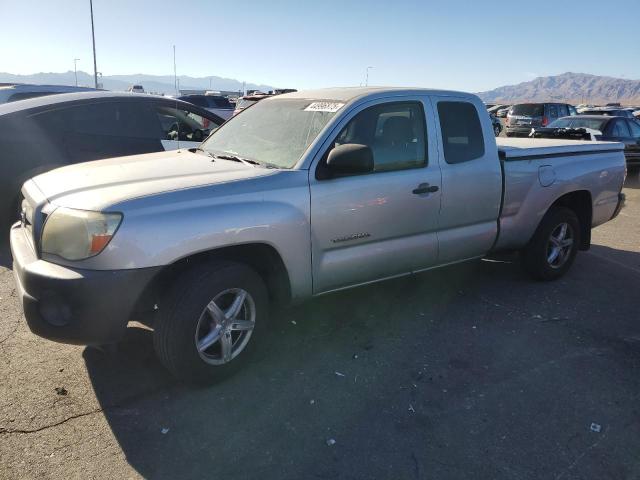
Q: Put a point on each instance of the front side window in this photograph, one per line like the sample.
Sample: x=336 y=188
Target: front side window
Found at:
x=461 y=130
x=620 y=129
x=634 y=125
x=395 y=132
x=183 y=125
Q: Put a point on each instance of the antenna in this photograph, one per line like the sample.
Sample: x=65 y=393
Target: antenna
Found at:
x=175 y=84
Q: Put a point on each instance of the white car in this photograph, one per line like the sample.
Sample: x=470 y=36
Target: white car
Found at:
x=136 y=89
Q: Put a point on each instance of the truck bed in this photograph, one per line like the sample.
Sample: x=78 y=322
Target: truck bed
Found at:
x=532 y=148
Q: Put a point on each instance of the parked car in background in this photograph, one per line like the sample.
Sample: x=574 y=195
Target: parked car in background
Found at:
x=610 y=112
x=495 y=108
x=597 y=127
x=301 y=195
x=12 y=93
x=44 y=133
x=248 y=100
x=502 y=112
x=217 y=104
x=496 y=123
x=136 y=89
x=523 y=116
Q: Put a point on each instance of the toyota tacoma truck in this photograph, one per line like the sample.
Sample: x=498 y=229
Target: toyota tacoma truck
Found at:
x=299 y=195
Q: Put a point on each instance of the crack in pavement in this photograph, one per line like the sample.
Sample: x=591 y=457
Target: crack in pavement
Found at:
x=125 y=402
x=6 y=431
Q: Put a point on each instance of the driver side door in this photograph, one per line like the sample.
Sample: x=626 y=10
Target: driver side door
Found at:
x=377 y=225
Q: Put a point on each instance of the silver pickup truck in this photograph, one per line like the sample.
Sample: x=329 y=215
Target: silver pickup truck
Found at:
x=300 y=195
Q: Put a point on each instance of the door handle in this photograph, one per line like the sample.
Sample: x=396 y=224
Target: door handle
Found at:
x=425 y=188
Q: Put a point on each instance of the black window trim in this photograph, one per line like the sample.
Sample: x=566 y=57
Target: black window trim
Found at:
x=321 y=172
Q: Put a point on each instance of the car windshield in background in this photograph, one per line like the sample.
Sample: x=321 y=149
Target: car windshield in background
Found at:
x=608 y=113
x=274 y=132
x=592 y=123
x=218 y=102
x=528 y=110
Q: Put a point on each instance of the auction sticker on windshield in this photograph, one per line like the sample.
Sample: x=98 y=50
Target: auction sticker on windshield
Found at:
x=331 y=107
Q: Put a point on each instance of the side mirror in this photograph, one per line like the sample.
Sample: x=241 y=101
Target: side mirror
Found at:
x=350 y=158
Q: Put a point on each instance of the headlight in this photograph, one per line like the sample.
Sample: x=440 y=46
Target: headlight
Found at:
x=78 y=234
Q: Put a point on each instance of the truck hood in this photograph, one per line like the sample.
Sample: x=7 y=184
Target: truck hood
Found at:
x=96 y=185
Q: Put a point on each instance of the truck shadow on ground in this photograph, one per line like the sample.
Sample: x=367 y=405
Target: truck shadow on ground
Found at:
x=349 y=366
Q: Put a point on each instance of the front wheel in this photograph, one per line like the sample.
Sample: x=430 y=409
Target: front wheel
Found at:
x=496 y=130
x=214 y=317
x=554 y=246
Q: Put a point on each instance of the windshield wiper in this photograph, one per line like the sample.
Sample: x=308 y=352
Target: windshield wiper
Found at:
x=236 y=158
x=206 y=152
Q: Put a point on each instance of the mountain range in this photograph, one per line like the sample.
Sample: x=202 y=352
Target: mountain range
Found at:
x=151 y=83
x=568 y=87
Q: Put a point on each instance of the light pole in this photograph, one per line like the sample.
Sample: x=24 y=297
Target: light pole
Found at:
x=366 y=80
x=75 y=69
x=93 y=38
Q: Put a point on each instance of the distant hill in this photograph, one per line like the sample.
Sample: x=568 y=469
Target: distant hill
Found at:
x=151 y=83
x=570 y=87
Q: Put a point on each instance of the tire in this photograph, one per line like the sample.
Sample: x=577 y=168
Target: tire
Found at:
x=509 y=134
x=496 y=130
x=199 y=309
x=545 y=258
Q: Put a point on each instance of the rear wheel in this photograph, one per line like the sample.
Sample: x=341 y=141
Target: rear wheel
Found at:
x=496 y=130
x=214 y=317
x=554 y=246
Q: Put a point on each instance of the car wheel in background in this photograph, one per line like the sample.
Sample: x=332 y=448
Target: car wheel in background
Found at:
x=553 y=248
x=496 y=130
x=214 y=316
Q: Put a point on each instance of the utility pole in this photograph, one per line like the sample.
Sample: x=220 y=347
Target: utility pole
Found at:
x=75 y=69
x=175 y=75
x=366 y=80
x=93 y=37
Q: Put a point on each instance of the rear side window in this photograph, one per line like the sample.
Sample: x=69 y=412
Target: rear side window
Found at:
x=462 y=137
x=118 y=119
x=528 y=109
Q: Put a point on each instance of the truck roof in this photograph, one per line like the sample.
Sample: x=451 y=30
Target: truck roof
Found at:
x=347 y=94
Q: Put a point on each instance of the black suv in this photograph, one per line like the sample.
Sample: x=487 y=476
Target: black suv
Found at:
x=522 y=117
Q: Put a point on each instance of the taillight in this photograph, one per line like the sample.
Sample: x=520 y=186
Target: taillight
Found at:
x=545 y=121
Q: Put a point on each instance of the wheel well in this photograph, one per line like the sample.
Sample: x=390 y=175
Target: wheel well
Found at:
x=263 y=258
x=580 y=202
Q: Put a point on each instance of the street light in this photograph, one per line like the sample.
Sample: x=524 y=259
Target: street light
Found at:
x=75 y=69
x=93 y=38
x=366 y=80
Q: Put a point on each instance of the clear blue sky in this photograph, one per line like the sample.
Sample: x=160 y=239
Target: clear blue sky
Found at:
x=467 y=44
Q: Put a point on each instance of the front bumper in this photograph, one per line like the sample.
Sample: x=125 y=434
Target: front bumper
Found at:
x=71 y=305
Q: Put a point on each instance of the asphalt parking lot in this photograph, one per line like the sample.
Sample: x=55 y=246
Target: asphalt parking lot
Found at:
x=467 y=372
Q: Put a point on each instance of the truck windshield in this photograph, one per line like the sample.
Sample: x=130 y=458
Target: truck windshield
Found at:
x=275 y=131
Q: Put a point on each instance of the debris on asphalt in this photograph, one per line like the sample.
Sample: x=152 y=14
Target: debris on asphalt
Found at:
x=61 y=391
x=312 y=402
x=155 y=306
x=331 y=442
x=596 y=427
x=355 y=356
x=164 y=431
x=340 y=374
x=293 y=322
x=411 y=409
